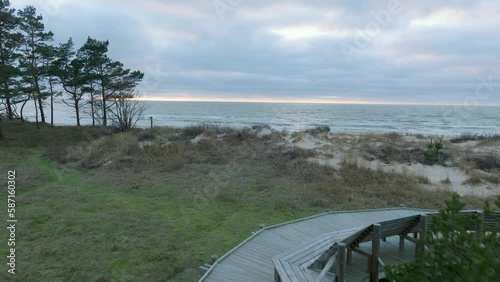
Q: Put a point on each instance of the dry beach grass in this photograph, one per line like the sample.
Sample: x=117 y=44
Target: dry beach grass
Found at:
x=155 y=204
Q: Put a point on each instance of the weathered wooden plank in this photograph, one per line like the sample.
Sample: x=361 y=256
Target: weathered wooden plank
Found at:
x=280 y=270
x=375 y=253
x=290 y=273
x=341 y=263
x=272 y=241
x=423 y=233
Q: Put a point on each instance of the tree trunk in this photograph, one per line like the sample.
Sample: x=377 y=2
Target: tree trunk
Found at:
x=77 y=112
x=40 y=101
x=36 y=113
x=40 y=106
x=92 y=103
x=104 y=110
x=22 y=107
x=76 y=102
x=10 y=114
x=51 y=102
x=103 y=96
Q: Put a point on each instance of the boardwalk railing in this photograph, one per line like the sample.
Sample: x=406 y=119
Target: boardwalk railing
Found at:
x=374 y=233
x=340 y=253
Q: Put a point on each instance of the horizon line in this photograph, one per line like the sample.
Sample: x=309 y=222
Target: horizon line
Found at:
x=302 y=101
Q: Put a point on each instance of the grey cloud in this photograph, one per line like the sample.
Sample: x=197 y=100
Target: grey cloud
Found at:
x=185 y=47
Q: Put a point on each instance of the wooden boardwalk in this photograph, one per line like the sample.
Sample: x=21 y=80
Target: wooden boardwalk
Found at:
x=252 y=260
x=335 y=246
x=389 y=253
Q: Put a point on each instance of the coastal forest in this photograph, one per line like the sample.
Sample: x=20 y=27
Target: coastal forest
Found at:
x=34 y=72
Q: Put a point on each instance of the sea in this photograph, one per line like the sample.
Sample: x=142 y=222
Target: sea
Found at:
x=342 y=118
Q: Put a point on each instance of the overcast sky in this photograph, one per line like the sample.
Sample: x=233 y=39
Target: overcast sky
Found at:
x=422 y=51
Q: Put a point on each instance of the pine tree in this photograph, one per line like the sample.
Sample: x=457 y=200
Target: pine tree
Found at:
x=10 y=40
x=71 y=71
x=35 y=40
x=94 y=53
x=110 y=76
x=50 y=71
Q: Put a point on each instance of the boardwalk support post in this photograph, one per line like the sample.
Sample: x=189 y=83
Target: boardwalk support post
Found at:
x=349 y=256
x=423 y=234
x=401 y=243
x=375 y=253
x=341 y=263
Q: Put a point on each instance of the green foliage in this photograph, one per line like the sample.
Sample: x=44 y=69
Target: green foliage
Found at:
x=469 y=136
x=35 y=40
x=434 y=152
x=319 y=129
x=10 y=41
x=110 y=77
x=32 y=69
x=72 y=74
x=453 y=253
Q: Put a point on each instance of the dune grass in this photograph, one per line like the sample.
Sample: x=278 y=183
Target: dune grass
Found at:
x=93 y=206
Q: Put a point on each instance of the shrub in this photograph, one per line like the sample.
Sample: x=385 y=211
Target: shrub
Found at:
x=490 y=140
x=452 y=252
x=434 y=152
x=464 y=137
x=485 y=162
x=284 y=132
x=261 y=126
x=475 y=137
x=393 y=152
x=125 y=111
x=319 y=129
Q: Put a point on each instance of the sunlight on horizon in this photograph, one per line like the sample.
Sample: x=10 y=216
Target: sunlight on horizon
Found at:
x=291 y=100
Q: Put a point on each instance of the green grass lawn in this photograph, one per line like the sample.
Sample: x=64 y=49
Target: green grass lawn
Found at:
x=113 y=225
x=156 y=217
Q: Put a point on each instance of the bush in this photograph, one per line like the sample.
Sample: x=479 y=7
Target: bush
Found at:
x=261 y=126
x=452 y=252
x=464 y=137
x=319 y=129
x=125 y=111
x=485 y=162
x=434 y=153
x=474 y=137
